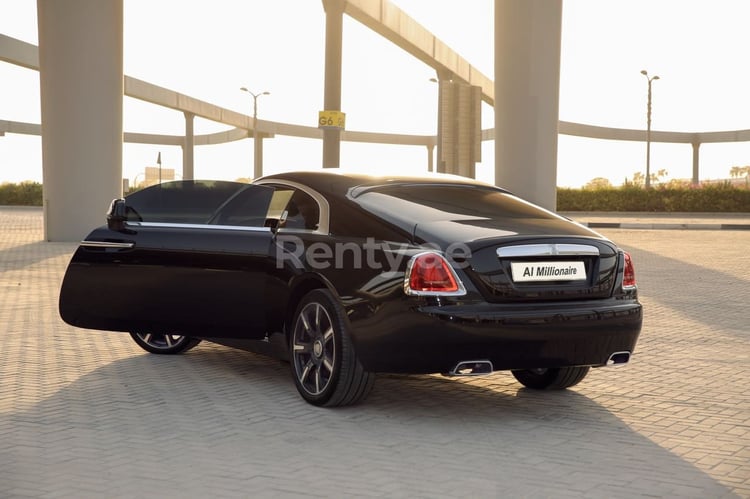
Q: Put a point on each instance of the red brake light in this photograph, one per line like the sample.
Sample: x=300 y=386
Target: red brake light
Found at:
x=628 y=277
x=430 y=274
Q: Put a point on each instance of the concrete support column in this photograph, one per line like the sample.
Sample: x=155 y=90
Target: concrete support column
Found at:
x=527 y=85
x=459 y=128
x=81 y=84
x=442 y=77
x=188 y=148
x=332 y=93
x=696 y=162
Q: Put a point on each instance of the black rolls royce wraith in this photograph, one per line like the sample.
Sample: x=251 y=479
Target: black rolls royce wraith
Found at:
x=355 y=275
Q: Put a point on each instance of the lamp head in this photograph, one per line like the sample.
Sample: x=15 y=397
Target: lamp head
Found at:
x=644 y=72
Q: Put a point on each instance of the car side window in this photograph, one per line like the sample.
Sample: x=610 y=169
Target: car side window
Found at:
x=302 y=212
x=294 y=209
x=248 y=208
x=183 y=201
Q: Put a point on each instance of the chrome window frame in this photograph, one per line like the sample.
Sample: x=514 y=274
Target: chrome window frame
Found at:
x=172 y=225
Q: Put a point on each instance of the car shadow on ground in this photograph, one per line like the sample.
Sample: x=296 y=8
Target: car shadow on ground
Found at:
x=688 y=287
x=218 y=418
x=31 y=254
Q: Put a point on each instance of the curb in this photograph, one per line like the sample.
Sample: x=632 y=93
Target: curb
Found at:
x=665 y=226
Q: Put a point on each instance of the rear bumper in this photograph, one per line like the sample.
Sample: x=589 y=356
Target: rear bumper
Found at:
x=433 y=339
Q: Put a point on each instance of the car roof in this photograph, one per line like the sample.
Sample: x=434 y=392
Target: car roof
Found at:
x=340 y=183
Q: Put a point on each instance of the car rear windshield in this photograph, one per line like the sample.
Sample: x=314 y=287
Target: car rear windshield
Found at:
x=418 y=203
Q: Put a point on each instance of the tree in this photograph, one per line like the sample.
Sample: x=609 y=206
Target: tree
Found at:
x=598 y=183
x=639 y=180
x=656 y=177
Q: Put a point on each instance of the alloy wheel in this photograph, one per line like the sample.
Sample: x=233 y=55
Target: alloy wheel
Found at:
x=314 y=348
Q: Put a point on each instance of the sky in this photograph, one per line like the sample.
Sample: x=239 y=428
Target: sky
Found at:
x=698 y=48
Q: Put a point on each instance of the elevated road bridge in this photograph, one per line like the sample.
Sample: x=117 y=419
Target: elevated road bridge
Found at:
x=526 y=120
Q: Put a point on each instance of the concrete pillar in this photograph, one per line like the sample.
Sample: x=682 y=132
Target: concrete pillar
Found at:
x=527 y=84
x=696 y=162
x=459 y=128
x=441 y=77
x=332 y=93
x=81 y=84
x=258 y=154
x=188 y=148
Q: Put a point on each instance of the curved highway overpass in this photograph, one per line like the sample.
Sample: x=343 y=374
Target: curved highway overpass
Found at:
x=26 y=55
x=523 y=134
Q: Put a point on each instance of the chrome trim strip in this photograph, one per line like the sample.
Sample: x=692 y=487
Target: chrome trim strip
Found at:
x=325 y=210
x=526 y=250
x=106 y=244
x=169 y=225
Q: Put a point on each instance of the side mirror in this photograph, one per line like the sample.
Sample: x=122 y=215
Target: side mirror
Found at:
x=117 y=215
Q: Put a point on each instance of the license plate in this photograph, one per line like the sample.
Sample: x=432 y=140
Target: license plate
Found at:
x=547 y=271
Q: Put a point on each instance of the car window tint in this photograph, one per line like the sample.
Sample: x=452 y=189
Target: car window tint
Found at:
x=295 y=208
x=185 y=201
x=302 y=212
x=248 y=208
x=428 y=203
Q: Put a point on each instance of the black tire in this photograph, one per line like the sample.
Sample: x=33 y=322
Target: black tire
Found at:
x=324 y=365
x=166 y=344
x=557 y=378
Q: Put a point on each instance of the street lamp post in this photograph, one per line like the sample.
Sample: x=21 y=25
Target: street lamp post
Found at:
x=257 y=151
x=648 y=128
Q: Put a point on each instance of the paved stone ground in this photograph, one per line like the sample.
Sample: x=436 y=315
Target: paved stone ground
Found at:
x=88 y=414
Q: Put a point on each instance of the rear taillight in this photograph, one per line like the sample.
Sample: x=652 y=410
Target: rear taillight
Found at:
x=429 y=274
x=628 y=276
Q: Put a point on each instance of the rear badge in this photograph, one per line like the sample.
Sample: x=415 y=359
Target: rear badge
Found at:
x=547 y=271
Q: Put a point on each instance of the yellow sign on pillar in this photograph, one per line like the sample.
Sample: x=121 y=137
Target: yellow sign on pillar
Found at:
x=331 y=119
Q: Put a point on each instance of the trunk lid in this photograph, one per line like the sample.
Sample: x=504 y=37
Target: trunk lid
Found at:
x=530 y=269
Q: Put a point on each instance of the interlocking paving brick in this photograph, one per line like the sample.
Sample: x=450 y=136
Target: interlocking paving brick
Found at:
x=89 y=414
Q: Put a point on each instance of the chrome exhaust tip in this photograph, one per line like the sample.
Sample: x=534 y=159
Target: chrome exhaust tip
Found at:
x=471 y=368
x=618 y=359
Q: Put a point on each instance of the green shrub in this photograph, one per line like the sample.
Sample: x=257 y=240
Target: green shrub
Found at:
x=706 y=198
x=23 y=194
